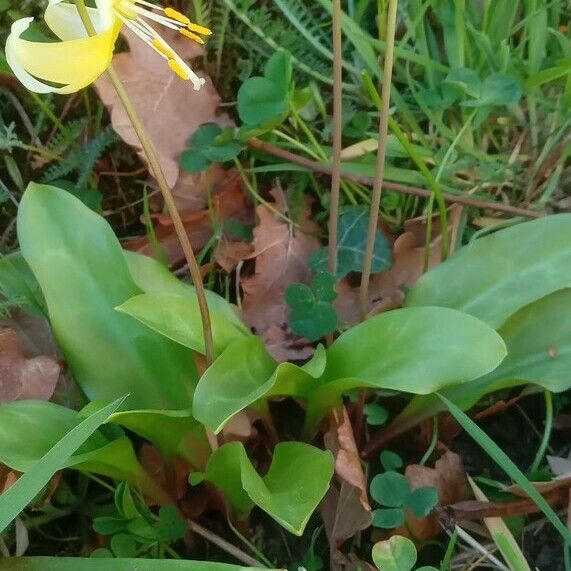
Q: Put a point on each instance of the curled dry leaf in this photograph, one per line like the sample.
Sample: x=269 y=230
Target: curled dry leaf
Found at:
x=168 y=106
x=386 y=288
x=282 y=253
x=449 y=479
x=22 y=377
x=345 y=510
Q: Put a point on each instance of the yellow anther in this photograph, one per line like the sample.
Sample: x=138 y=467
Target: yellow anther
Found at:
x=176 y=15
x=199 y=29
x=178 y=69
x=159 y=46
x=191 y=36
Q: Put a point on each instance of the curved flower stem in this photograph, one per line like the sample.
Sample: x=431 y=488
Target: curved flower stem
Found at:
x=159 y=175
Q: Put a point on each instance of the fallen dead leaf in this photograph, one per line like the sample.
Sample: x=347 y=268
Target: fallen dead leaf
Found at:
x=282 y=253
x=345 y=509
x=168 y=106
x=386 y=288
x=449 y=479
x=21 y=377
x=228 y=201
x=229 y=254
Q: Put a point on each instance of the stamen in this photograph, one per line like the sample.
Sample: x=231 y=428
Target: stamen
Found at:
x=176 y=15
x=165 y=50
x=191 y=36
x=149 y=5
x=199 y=29
x=178 y=69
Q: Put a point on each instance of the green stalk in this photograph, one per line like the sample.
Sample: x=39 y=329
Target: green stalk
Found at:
x=381 y=156
x=546 y=432
x=159 y=175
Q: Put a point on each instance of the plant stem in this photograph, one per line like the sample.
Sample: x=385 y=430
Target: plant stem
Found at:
x=325 y=169
x=157 y=172
x=381 y=156
x=546 y=432
x=337 y=141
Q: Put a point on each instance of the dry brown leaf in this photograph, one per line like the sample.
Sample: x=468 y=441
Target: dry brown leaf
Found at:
x=22 y=377
x=229 y=254
x=228 y=202
x=386 y=288
x=449 y=479
x=345 y=511
x=168 y=106
x=282 y=253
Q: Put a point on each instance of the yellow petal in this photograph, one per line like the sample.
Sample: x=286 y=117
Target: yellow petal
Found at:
x=65 y=22
x=72 y=64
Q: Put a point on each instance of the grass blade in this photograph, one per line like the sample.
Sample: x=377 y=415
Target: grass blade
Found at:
x=504 y=462
x=18 y=496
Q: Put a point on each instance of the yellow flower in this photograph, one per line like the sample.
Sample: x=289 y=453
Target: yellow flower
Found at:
x=79 y=59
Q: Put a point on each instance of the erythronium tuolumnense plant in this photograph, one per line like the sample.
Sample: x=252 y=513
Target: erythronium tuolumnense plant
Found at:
x=127 y=326
x=79 y=59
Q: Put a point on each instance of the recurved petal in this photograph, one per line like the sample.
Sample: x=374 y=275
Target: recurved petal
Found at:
x=65 y=22
x=71 y=65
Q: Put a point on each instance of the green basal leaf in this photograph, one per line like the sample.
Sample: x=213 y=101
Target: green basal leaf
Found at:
x=154 y=278
x=18 y=496
x=178 y=318
x=246 y=373
x=538 y=339
x=173 y=432
x=82 y=272
x=416 y=350
x=390 y=489
x=395 y=554
x=260 y=99
x=29 y=429
x=388 y=518
x=115 y=564
x=498 y=274
x=294 y=485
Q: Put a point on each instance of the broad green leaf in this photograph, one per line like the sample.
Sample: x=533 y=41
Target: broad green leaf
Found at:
x=416 y=350
x=279 y=69
x=29 y=429
x=538 y=339
x=390 y=489
x=500 y=273
x=174 y=433
x=82 y=272
x=391 y=460
x=104 y=564
x=294 y=485
x=376 y=414
x=351 y=243
x=465 y=79
x=497 y=89
x=395 y=554
x=178 y=318
x=245 y=373
x=17 y=497
x=153 y=277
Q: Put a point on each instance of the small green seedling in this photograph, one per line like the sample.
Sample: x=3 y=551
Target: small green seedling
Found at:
x=209 y=144
x=397 y=554
x=392 y=491
x=133 y=530
x=312 y=315
x=375 y=414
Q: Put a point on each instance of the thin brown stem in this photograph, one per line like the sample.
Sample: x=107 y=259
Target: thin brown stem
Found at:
x=394 y=186
x=224 y=545
x=337 y=140
x=381 y=156
x=157 y=172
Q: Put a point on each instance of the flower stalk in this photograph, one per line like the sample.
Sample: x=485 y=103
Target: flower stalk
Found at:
x=157 y=172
